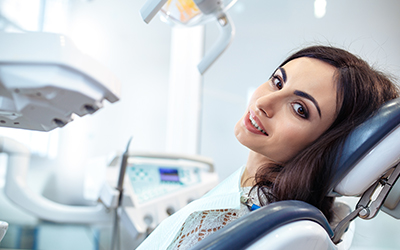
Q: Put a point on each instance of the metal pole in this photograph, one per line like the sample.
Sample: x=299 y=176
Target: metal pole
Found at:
x=120 y=187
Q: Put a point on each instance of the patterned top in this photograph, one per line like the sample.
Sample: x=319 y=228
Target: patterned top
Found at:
x=200 y=224
x=214 y=206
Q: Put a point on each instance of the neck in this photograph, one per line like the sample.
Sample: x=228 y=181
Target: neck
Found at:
x=254 y=161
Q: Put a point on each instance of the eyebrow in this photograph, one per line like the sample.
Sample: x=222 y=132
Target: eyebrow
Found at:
x=309 y=97
x=283 y=71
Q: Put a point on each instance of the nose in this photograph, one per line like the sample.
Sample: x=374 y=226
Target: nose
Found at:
x=269 y=103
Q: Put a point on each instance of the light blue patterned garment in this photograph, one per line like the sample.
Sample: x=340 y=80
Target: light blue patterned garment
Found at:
x=201 y=224
x=224 y=196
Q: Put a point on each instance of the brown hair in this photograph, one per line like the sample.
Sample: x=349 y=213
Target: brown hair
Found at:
x=361 y=90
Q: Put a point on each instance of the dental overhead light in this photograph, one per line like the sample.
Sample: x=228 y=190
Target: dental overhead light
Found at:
x=195 y=12
x=45 y=81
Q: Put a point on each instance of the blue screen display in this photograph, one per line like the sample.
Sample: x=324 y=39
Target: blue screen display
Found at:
x=169 y=174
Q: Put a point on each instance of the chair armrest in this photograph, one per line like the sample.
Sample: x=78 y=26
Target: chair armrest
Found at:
x=248 y=229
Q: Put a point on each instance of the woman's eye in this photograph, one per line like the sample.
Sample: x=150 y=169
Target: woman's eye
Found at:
x=277 y=82
x=300 y=110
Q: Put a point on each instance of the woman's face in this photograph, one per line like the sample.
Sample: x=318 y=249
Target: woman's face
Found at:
x=289 y=111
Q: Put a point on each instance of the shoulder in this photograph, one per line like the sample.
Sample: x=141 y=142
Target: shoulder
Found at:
x=229 y=185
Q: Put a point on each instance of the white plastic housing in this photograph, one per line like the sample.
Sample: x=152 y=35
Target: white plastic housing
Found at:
x=135 y=218
x=372 y=166
x=302 y=235
x=137 y=215
x=17 y=190
x=45 y=81
x=3 y=229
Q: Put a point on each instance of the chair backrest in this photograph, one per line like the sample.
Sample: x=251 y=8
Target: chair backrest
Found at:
x=369 y=151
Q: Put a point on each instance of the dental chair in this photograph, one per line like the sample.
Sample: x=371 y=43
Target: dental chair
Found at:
x=368 y=168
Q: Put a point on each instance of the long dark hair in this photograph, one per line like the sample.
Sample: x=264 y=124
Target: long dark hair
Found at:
x=361 y=90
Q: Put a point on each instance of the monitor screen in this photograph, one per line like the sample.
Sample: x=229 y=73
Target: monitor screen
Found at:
x=169 y=174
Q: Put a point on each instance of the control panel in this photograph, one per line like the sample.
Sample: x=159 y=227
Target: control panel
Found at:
x=151 y=181
x=157 y=185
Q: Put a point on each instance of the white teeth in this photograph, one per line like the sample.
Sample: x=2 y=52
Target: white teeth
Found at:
x=256 y=125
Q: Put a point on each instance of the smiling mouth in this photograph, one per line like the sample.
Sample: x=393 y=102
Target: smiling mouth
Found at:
x=254 y=123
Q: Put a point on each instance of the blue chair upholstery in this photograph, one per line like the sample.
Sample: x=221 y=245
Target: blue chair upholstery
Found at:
x=365 y=137
x=243 y=232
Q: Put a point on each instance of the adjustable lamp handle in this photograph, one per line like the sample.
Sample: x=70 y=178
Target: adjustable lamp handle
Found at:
x=227 y=32
x=150 y=9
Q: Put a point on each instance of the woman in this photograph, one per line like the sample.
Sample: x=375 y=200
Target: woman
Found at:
x=294 y=125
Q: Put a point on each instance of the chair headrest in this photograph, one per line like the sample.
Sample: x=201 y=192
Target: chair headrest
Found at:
x=368 y=151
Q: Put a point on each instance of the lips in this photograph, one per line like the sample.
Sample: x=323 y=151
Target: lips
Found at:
x=253 y=124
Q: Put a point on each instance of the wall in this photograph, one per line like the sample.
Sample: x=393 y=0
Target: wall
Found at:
x=114 y=33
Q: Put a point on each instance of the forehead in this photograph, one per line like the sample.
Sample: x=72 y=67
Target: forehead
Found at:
x=314 y=70
x=315 y=77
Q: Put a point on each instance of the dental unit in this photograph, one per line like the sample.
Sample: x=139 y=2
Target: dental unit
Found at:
x=189 y=13
x=45 y=81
